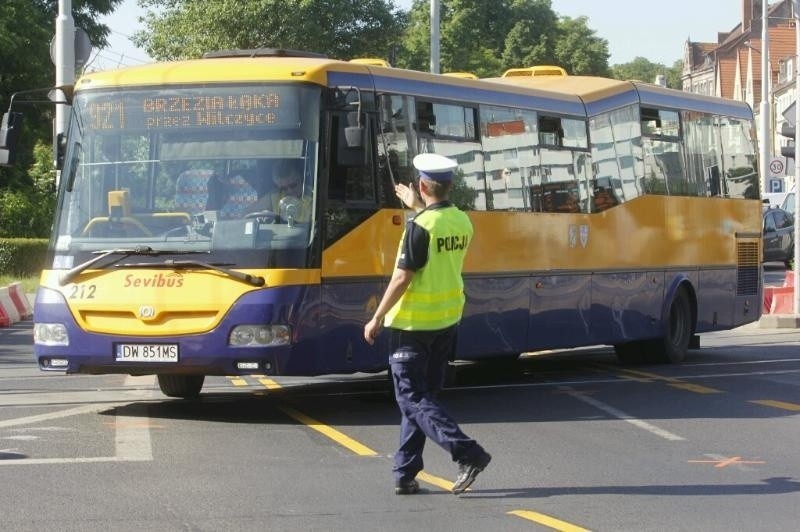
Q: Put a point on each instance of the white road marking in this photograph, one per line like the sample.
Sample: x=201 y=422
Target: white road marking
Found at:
x=131 y=439
x=619 y=414
x=85 y=409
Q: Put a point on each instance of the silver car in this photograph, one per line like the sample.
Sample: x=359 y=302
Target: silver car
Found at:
x=778 y=236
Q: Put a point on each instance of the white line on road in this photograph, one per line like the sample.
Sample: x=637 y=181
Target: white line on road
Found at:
x=649 y=427
x=86 y=409
x=131 y=438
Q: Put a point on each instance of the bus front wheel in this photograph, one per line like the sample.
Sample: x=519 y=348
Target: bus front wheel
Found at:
x=183 y=386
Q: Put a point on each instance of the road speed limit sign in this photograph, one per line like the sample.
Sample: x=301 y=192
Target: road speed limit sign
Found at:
x=776 y=167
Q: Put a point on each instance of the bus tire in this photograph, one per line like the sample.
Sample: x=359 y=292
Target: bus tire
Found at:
x=183 y=386
x=674 y=345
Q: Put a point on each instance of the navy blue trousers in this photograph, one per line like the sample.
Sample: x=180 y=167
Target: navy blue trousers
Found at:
x=418 y=363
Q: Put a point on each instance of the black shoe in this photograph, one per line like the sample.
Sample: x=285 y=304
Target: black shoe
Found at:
x=468 y=472
x=406 y=487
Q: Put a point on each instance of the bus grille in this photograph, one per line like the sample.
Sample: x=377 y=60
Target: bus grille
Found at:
x=747 y=268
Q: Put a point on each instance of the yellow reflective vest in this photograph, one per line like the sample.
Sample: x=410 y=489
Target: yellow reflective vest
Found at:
x=435 y=298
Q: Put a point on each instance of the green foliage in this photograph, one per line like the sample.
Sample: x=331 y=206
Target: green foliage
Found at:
x=25 y=214
x=183 y=29
x=22 y=257
x=462 y=195
x=28 y=211
x=487 y=38
x=30 y=283
x=578 y=50
x=644 y=70
x=674 y=75
x=26 y=28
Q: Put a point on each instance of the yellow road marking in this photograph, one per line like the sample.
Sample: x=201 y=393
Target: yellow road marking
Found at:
x=646 y=376
x=269 y=383
x=439 y=482
x=696 y=388
x=340 y=438
x=779 y=404
x=622 y=373
x=546 y=520
x=237 y=381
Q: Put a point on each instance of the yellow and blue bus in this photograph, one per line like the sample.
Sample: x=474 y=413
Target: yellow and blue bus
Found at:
x=606 y=213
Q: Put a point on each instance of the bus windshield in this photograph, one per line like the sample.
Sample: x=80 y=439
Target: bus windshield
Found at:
x=227 y=170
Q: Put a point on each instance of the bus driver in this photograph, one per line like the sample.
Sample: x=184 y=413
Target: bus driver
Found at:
x=287 y=175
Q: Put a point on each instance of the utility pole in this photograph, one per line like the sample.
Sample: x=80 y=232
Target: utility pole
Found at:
x=766 y=118
x=64 y=63
x=796 y=261
x=435 y=36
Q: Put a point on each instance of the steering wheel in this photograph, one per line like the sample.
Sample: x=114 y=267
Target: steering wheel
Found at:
x=265 y=216
x=107 y=227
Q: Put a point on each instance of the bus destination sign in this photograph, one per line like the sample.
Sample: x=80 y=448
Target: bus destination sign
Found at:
x=191 y=109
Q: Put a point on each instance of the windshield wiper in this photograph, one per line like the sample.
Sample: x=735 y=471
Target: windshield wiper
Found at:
x=254 y=280
x=69 y=275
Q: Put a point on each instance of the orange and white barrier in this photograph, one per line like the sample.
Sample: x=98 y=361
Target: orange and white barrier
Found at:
x=20 y=300
x=9 y=308
x=780 y=299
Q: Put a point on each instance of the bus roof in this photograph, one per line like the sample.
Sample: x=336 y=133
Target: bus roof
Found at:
x=218 y=70
x=329 y=72
x=603 y=94
x=568 y=95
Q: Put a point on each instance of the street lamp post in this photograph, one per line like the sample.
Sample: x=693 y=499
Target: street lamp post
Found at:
x=796 y=261
x=435 y=36
x=766 y=79
x=64 y=59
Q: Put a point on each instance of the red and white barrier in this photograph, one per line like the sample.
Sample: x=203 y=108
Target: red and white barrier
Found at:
x=780 y=299
x=20 y=300
x=7 y=303
x=5 y=321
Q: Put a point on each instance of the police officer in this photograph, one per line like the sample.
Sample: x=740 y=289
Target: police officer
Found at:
x=422 y=307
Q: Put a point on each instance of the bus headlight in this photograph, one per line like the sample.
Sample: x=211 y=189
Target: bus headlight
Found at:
x=260 y=335
x=50 y=334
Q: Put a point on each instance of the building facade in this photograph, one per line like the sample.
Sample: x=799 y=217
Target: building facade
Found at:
x=732 y=68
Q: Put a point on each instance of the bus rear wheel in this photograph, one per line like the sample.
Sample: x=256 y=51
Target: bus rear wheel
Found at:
x=674 y=345
x=183 y=386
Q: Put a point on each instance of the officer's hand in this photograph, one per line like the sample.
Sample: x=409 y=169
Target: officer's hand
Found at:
x=407 y=196
x=371 y=331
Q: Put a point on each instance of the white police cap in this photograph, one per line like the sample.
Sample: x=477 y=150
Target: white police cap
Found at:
x=435 y=167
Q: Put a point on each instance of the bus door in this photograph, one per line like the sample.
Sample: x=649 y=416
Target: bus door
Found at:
x=359 y=239
x=561 y=291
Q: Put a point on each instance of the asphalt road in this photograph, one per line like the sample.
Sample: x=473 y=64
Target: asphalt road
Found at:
x=579 y=443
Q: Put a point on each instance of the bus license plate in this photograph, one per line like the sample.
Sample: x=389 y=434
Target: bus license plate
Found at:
x=146 y=353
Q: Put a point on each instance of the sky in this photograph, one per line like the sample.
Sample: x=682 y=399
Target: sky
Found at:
x=655 y=30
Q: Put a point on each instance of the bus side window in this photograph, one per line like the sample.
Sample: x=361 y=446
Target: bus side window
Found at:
x=550 y=132
x=426 y=119
x=351 y=168
x=393 y=145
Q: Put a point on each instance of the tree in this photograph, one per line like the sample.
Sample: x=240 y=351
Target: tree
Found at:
x=487 y=38
x=28 y=212
x=579 y=50
x=26 y=29
x=643 y=70
x=674 y=74
x=343 y=29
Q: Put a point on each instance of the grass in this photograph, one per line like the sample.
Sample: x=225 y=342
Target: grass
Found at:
x=29 y=284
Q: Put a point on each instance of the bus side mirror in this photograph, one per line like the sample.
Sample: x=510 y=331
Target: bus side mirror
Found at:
x=59 y=150
x=9 y=137
x=354 y=133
